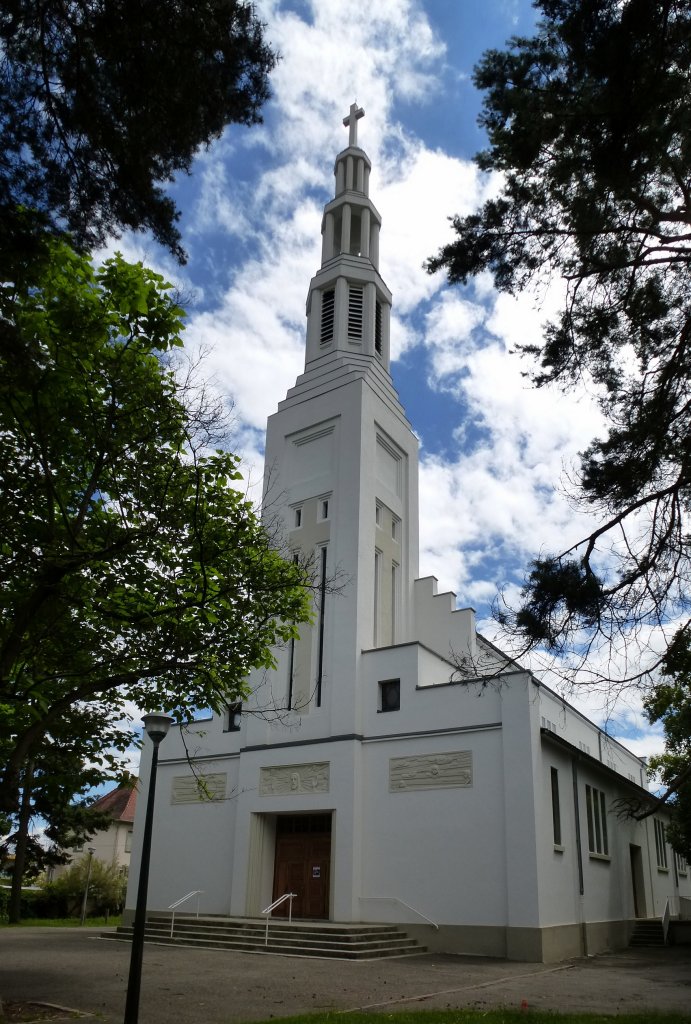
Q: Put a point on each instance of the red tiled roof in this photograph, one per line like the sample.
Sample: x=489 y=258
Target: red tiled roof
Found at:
x=120 y=803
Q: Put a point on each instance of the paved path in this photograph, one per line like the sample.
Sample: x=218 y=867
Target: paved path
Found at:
x=74 y=967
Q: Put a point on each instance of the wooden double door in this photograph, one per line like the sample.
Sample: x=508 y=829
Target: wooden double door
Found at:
x=302 y=863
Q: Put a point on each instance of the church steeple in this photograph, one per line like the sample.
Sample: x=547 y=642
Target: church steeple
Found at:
x=342 y=458
x=348 y=304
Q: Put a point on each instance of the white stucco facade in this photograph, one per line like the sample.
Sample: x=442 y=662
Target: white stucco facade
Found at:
x=368 y=772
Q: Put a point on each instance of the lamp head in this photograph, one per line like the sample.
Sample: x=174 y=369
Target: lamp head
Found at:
x=157 y=726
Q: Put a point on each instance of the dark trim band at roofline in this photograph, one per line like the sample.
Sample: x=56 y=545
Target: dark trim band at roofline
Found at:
x=581 y=755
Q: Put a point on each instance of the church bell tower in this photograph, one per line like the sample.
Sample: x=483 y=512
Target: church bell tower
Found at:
x=341 y=465
x=348 y=304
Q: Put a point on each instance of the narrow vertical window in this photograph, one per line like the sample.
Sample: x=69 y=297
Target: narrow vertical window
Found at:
x=327 y=326
x=589 y=813
x=660 y=844
x=291 y=655
x=297 y=521
x=597 y=821
x=377 y=327
x=322 y=609
x=603 y=819
x=291 y=672
x=556 y=813
x=394 y=600
x=355 y=304
x=377 y=588
x=355 y=235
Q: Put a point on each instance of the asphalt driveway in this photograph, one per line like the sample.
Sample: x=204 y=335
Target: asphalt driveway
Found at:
x=76 y=968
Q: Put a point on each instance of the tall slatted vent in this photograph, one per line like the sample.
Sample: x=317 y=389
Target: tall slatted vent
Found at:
x=355 y=302
x=377 y=327
x=327 y=331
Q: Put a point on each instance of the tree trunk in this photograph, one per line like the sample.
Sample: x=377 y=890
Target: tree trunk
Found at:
x=20 y=846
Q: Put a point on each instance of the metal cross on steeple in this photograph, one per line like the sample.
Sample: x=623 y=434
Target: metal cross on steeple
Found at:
x=351 y=122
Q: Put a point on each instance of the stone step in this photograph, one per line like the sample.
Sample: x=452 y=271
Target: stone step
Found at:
x=648 y=933
x=298 y=925
x=309 y=939
x=287 y=949
x=301 y=934
x=314 y=942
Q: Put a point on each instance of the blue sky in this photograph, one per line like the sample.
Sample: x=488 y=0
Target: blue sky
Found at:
x=495 y=454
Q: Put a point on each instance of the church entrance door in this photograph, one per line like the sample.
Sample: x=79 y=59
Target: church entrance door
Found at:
x=637 y=879
x=302 y=863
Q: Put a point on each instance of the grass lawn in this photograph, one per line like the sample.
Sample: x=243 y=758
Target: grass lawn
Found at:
x=519 y=1016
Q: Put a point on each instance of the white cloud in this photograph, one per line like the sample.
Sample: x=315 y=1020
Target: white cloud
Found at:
x=256 y=329
x=415 y=191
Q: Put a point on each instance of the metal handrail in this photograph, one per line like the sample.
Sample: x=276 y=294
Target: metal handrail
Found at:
x=276 y=903
x=394 y=899
x=174 y=906
x=665 y=922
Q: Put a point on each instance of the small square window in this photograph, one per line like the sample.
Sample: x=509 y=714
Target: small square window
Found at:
x=390 y=695
x=233 y=717
x=297 y=519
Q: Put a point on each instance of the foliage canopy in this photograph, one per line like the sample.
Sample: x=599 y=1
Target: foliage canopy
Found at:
x=80 y=750
x=101 y=103
x=107 y=888
x=132 y=568
x=589 y=123
x=670 y=704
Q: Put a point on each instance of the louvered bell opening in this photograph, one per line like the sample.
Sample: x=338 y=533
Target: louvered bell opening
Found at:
x=355 y=303
x=377 y=328
x=327 y=326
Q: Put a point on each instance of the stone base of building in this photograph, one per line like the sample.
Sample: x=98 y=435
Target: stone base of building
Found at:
x=533 y=945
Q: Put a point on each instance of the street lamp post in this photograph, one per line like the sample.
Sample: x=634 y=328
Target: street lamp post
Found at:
x=156 y=727
x=88 y=882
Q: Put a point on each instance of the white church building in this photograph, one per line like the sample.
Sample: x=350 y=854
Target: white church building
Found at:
x=395 y=766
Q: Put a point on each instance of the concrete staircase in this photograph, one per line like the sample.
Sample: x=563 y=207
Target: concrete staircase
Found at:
x=298 y=938
x=648 y=933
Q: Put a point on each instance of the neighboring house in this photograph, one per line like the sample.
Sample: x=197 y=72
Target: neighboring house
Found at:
x=395 y=766
x=114 y=844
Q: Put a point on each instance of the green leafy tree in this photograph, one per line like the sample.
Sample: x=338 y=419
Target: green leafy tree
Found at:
x=590 y=126
x=131 y=565
x=80 y=751
x=101 y=104
x=670 y=704
x=107 y=888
